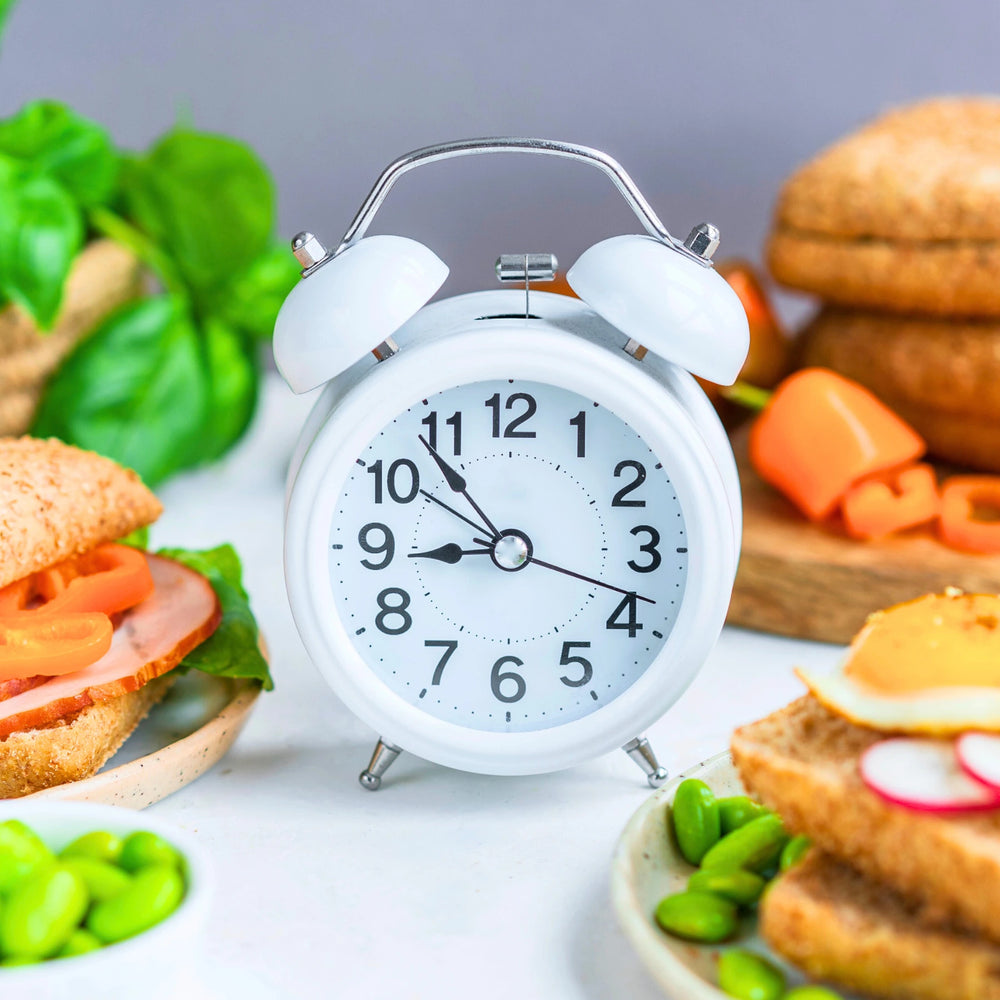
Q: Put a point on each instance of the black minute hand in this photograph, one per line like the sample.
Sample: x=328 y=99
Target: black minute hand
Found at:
x=456 y=483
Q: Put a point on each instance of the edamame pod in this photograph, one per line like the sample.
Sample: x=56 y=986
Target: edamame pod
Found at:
x=20 y=960
x=24 y=830
x=20 y=855
x=794 y=851
x=103 y=881
x=757 y=845
x=695 y=818
x=811 y=993
x=143 y=848
x=42 y=912
x=697 y=916
x=737 y=810
x=80 y=942
x=155 y=892
x=747 y=976
x=99 y=844
x=735 y=884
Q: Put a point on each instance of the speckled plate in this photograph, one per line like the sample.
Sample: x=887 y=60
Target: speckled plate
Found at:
x=647 y=866
x=191 y=729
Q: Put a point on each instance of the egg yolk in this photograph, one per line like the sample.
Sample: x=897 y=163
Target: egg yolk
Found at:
x=936 y=641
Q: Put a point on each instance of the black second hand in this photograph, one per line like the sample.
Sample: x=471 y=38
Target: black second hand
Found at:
x=579 y=576
x=456 y=483
x=451 y=510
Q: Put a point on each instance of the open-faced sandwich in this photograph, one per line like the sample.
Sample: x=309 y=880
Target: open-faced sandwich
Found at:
x=93 y=631
x=889 y=767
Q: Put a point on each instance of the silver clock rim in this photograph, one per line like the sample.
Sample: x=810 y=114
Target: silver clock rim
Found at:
x=527 y=350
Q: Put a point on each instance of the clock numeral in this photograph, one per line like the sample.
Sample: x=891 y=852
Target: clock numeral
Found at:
x=454 y=422
x=580 y=423
x=387 y=547
x=511 y=430
x=649 y=548
x=449 y=646
x=640 y=476
x=387 y=610
x=628 y=603
x=566 y=659
x=498 y=676
x=392 y=480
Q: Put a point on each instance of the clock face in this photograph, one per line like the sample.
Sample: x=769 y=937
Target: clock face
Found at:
x=508 y=556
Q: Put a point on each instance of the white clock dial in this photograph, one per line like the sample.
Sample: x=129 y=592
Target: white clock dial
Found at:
x=508 y=556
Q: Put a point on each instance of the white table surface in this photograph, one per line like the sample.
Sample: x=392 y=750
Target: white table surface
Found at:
x=443 y=884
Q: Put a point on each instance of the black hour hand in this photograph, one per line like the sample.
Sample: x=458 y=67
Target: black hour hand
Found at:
x=449 y=553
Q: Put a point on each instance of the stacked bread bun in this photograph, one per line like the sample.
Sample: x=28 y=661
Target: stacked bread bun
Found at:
x=897 y=229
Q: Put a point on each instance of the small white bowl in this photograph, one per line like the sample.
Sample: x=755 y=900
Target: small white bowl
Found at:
x=151 y=964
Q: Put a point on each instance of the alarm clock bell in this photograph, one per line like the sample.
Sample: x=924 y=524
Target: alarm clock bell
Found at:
x=648 y=293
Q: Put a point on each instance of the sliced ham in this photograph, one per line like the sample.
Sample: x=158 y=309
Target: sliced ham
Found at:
x=150 y=639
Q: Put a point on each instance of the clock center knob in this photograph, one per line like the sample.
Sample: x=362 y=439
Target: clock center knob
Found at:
x=511 y=550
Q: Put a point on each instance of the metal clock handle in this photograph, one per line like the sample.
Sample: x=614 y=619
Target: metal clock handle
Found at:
x=547 y=147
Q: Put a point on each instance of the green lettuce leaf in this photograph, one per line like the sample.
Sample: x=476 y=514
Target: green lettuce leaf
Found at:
x=41 y=231
x=232 y=650
x=57 y=142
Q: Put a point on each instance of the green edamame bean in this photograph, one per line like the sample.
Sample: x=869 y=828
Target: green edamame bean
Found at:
x=794 y=851
x=735 y=884
x=42 y=912
x=697 y=916
x=20 y=855
x=99 y=844
x=103 y=881
x=757 y=845
x=143 y=848
x=80 y=942
x=747 y=976
x=811 y=993
x=737 y=810
x=695 y=818
x=24 y=830
x=20 y=960
x=155 y=892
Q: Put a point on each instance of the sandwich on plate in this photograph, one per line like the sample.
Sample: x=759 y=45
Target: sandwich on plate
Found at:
x=93 y=629
x=891 y=766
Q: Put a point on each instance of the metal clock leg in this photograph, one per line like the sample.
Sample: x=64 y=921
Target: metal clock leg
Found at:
x=642 y=753
x=382 y=757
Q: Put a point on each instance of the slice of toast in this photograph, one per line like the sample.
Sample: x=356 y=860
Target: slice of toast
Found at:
x=802 y=762
x=839 y=926
x=76 y=746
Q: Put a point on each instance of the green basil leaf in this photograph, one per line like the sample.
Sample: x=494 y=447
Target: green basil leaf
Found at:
x=207 y=199
x=251 y=301
x=135 y=390
x=233 y=649
x=6 y=6
x=72 y=150
x=232 y=381
x=41 y=231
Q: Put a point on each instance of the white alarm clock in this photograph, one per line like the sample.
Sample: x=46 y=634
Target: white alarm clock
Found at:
x=513 y=517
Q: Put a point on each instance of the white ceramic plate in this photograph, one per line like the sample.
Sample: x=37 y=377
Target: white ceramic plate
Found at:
x=647 y=866
x=182 y=737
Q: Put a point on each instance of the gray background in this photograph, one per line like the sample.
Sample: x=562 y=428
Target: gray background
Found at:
x=708 y=105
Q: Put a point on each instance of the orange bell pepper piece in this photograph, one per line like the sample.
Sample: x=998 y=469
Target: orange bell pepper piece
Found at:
x=820 y=433
x=893 y=501
x=109 y=579
x=970 y=513
x=48 y=645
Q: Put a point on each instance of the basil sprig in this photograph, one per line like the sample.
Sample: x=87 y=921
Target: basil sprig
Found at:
x=171 y=381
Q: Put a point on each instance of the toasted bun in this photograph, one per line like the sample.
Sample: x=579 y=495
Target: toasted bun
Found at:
x=76 y=746
x=838 y=926
x=802 y=762
x=57 y=501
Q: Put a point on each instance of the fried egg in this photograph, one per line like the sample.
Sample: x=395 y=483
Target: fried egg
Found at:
x=931 y=665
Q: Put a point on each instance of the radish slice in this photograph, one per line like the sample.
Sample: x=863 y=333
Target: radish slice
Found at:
x=923 y=775
x=979 y=756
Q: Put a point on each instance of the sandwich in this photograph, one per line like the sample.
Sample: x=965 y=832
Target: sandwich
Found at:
x=93 y=631
x=879 y=767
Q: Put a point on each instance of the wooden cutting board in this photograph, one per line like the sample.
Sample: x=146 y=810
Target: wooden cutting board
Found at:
x=811 y=581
